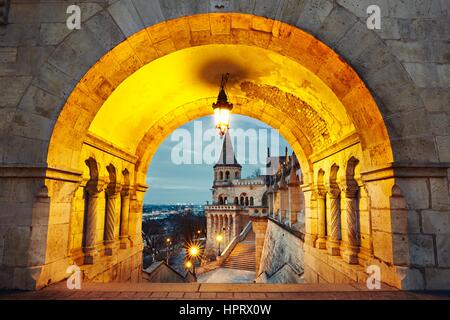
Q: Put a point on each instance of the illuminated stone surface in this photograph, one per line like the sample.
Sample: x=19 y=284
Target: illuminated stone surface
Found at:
x=56 y=90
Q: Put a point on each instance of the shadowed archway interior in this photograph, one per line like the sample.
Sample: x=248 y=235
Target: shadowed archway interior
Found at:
x=116 y=100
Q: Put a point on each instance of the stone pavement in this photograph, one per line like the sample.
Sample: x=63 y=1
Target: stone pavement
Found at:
x=196 y=291
x=226 y=275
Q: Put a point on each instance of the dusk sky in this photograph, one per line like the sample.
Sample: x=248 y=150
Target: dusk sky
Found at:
x=173 y=182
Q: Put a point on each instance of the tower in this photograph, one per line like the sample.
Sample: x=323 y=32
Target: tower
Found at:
x=227 y=168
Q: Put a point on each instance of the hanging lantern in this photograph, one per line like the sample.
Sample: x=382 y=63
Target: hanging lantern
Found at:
x=222 y=109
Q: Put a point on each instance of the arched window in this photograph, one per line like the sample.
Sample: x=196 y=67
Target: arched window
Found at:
x=236 y=175
x=220 y=200
x=221 y=175
x=251 y=201
x=225 y=200
x=264 y=200
x=227 y=175
x=242 y=201
x=246 y=201
x=236 y=200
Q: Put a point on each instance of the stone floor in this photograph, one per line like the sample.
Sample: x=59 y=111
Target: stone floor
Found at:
x=210 y=291
x=226 y=275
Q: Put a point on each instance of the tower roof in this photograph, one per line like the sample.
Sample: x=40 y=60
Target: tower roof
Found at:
x=227 y=157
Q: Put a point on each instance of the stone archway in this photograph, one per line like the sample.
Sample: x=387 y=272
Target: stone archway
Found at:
x=60 y=172
x=336 y=111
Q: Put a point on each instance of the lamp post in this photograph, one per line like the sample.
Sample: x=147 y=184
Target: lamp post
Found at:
x=219 y=239
x=188 y=264
x=193 y=254
x=168 y=242
x=222 y=108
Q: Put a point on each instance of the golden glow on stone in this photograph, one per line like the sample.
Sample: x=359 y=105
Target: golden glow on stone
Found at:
x=160 y=88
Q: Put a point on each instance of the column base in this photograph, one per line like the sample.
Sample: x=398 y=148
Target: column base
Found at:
x=321 y=244
x=89 y=255
x=109 y=248
x=350 y=256
x=124 y=242
x=333 y=248
x=310 y=240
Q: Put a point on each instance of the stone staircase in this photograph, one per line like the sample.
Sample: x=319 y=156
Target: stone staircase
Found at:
x=243 y=255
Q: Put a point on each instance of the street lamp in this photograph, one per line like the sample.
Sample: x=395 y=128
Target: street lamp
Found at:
x=222 y=108
x=219 y=239
x=168 y=241
x=193 y=253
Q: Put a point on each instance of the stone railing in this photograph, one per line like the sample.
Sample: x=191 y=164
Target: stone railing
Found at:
x=295 y=232
x=222 y=207
x=286 y=270
x=229 y=248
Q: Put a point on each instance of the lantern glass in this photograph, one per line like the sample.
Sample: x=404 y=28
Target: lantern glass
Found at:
x=222 y=119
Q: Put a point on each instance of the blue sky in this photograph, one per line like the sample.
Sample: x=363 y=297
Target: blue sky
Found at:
x=173 y=182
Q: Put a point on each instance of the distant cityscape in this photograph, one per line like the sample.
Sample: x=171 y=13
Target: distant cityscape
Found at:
x=164 y=211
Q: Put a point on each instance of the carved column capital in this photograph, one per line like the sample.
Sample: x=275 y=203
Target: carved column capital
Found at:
x=350 y=189
x=320 y=192
x=94 y=187
x=333 y=190
x=113 y=190
x=125 y=191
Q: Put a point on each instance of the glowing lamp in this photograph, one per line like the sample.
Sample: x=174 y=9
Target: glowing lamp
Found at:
x=194 y=251
x=219 y=238
x=188 y=264
x=222 y=109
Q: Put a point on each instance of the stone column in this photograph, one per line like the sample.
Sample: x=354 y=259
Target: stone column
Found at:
x=333 y=243
x=209 y=234
x=218 y=224
x=113 y=193
x=124 y=218
x=224 y=232
x=233 y=230
x=321 y=219
x=294 y=202
x=229 y=229
x=93 y=190
x=236 y=225
x=310 y=215
x=350 y=254
x=259 y=225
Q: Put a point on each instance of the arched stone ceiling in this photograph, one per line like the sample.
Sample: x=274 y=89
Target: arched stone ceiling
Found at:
x=162 y=86
x=344 y=104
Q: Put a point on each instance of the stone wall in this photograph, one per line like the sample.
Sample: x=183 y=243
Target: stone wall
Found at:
x=405 y=65
x=282 y=259
x=36 y=249
x=238 y=189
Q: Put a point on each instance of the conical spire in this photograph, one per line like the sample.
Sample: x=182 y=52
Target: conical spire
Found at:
x=227 y=157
